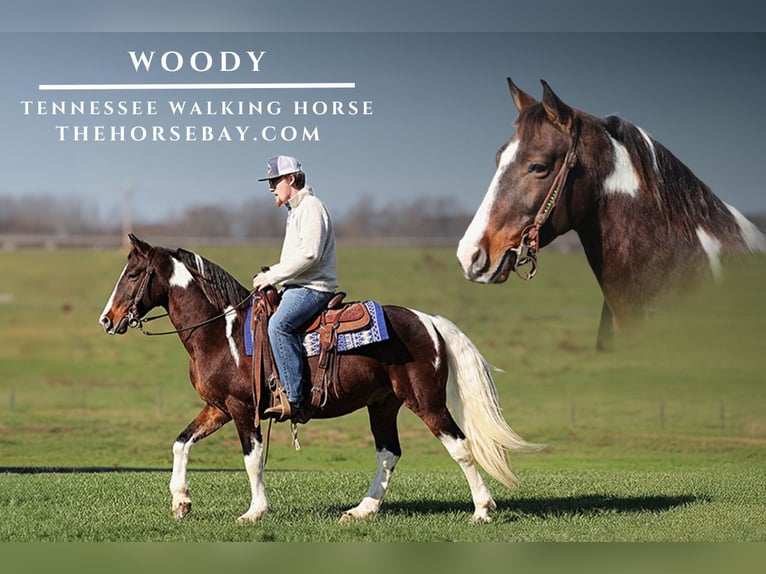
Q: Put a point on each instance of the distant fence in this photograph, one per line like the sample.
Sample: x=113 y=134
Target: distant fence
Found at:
x=13 y=241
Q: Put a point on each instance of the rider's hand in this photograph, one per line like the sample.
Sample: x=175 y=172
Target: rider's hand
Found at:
x=261 y=281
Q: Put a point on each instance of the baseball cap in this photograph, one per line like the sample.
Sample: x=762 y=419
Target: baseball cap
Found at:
x=281 y=165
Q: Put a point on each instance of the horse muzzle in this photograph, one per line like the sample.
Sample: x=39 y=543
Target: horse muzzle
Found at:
x=480 y=268
x=111 y=328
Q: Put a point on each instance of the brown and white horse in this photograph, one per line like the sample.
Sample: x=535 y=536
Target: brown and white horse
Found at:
x=426 y=364
x=647 y=224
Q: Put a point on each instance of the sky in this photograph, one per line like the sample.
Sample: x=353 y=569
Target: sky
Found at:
x=433 y=79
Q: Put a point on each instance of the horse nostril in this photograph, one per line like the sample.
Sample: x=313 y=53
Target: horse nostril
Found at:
x=478 y=262
x=106 y=323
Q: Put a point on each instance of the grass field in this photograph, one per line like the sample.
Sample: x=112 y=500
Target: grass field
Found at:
x=661 y=440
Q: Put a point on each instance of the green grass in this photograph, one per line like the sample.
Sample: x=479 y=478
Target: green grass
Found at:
x=713 y=503
x=662 y=439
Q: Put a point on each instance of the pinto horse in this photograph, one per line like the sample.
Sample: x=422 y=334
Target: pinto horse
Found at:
x=647 y=224
x=426 y=364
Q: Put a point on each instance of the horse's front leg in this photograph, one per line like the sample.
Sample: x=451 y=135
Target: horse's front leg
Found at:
x=209 y=420
x=253 y=450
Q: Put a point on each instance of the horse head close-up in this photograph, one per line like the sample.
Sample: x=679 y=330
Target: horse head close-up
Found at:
x=646 y=223
x=133 y=294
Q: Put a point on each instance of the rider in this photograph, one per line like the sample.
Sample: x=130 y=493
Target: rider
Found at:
x=306 y=271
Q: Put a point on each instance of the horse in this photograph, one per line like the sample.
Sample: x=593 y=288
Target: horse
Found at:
x=426 y=364
x=648 y=226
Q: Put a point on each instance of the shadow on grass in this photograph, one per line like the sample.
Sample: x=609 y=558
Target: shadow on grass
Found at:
x=509 y=509
x=589 y=504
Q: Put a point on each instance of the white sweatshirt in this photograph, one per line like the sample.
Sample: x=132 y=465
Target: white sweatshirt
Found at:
x=308 y=250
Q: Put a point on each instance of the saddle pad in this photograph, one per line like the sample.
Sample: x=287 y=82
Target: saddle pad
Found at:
x=375 y=332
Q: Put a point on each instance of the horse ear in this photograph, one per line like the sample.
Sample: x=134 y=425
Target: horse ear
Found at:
x=520 y=98
x=558 y=112
x=139 y=246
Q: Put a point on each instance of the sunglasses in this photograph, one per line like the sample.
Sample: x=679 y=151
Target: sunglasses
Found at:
x=274 y=181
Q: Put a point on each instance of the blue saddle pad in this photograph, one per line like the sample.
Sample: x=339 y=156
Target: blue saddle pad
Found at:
x=375 y=332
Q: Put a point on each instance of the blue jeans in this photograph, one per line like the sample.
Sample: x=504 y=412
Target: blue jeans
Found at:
x=298 y=305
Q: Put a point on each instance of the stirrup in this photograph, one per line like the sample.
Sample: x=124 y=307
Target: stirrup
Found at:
x=281 y=410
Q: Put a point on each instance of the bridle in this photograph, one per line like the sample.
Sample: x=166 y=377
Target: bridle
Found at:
x=526 y=250
x=134 y=317
x=137 y=322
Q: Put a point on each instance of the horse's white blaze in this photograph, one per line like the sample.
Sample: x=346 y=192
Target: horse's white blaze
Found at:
x=472 y=236
x=460 y=452
x=231 y=317
x=110 y=301
x=751 y=235
x=433 y=334
x=259 y=504
x=181 y=276
x=374 y=498
x=712 y=247
x=623 y=178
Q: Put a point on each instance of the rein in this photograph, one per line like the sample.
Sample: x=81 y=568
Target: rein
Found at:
x=526 y=251
x=137 y=322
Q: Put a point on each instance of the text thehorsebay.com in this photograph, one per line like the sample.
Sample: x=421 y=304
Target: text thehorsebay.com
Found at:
x=112 y=113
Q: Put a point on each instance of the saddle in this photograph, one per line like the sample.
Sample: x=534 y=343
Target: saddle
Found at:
x=337 y=318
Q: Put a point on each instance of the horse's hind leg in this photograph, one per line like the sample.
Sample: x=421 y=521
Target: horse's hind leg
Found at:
x=444 y=427
x=209 y=420
x=384 y=430
x=460 y=451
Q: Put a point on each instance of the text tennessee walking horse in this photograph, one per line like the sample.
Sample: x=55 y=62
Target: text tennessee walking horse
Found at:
x=646 y=223
x=425 y=364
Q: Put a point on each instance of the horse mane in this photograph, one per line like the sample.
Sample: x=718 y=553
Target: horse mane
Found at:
x=684 y=201
x=221 y=289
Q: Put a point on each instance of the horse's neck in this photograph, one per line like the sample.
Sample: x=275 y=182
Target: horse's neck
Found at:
x=188 y=306
x=634 y=254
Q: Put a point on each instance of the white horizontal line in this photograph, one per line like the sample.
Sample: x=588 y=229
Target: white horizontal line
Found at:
x=271 y=86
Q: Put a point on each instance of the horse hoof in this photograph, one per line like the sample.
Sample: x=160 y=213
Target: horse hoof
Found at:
x=347 y=518
x=181 y=510
x=481 y=519
x=249 y=518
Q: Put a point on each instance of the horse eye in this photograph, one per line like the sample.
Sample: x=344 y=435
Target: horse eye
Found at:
x=537 y=167
x=133 y=276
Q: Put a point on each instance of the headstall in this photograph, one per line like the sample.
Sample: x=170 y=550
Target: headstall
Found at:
x=526 y=251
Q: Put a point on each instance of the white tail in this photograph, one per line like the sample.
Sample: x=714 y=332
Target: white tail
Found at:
x=472 y=399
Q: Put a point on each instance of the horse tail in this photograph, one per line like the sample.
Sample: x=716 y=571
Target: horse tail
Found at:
x=472 y=400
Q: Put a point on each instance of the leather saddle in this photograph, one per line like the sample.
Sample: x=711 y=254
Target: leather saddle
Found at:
x=338 y=317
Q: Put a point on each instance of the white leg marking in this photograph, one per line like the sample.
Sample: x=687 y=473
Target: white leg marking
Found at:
x=470 y=241
x=231 y=317
x=259 y=504
x=751 y=235
x=712 y=247
x=181 y=276
x=109 y=303
x=179 y=487
x=623 y=178
x=483 y=502
x=371 y=502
